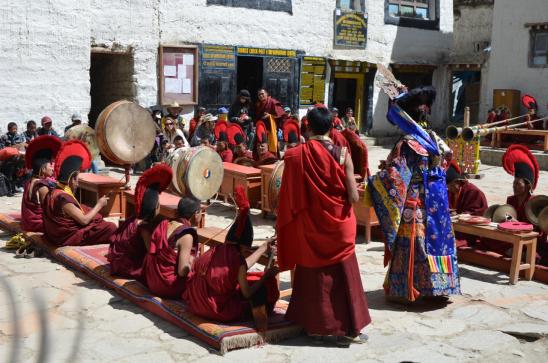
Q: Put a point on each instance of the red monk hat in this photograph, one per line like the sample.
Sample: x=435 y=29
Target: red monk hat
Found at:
x=73 y=156
x=453 y=172
x=235 y=134
x=261 y=132
x=519 y=162
x=40 y=151
x=241 y=231
x=220 y=130
x=529 y=102
x=291 y=132
x=149 y=186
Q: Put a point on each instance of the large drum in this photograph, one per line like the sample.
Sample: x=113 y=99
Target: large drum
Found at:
x=85 y=134
x=275 y=184
x=125 y=132
x=197 y=172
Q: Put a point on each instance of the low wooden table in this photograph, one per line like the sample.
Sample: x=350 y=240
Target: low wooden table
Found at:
x=497 y=139
x=365 y=216
x=266 y=173
x=91 y=187
x=248 y=177
x=168 y=206
x=529 y=240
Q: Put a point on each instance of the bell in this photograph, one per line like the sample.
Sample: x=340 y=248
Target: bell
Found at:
x=489 y=211
x=504 y=213
x=543 y=220
x=534 y=207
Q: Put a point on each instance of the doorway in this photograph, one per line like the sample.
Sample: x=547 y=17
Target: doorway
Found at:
x=348 y=91
x=111 y=80
x=250 y=75
x=465 y=92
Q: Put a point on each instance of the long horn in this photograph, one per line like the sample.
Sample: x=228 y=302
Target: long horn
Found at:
x=470 y=133
x=452 y=132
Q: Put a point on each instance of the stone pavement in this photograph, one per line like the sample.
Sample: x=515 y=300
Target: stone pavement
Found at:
x=491 y=321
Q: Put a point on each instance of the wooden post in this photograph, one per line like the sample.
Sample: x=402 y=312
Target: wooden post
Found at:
x=466 y=117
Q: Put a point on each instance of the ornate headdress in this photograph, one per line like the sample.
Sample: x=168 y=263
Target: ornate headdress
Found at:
x=235 y=134
x=220 y=130
x=291 y=132
x=73 y=156
x=40 y=151
x=149 y=186
x=519 y=162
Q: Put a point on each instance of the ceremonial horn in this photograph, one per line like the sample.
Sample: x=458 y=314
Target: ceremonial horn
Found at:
x=452 y=132
x=534 y=207
x=470 y=133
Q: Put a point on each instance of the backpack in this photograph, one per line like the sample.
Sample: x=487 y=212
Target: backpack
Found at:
x=5 y=188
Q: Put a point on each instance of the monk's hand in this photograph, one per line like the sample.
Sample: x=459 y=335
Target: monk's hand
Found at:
x=271 y=272
x=103 y=201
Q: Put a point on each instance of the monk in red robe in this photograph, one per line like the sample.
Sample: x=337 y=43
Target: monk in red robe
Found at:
x=39 y=156
x=220 y=288
x=198 y=116
x=173 y=247
x=66 y=222
x=261 y=155
x=291 y=134
x=224 y=152
x=268 y=106
x=128 y=244
x=316 y=236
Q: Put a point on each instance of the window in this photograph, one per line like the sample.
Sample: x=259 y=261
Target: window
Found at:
x=412 y=13
x=539 y=48
x=351 y=5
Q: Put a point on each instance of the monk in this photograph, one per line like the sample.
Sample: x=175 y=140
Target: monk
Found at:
x=316 y=236
x=261 y=154
x=66 y=222
x=219 y=286
x=291 y=134
x=224 y=152
x=39 y=156
x=464 y=197
x=128 y=244
x=268 y=106
x=173 y=247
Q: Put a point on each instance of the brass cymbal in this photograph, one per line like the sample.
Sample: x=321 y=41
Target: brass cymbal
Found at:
x=502 y=213
x=86 y=134
x=534 y=206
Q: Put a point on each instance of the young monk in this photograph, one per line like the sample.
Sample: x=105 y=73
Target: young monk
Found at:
x=261 y=154
x=128 y=248
x=219 y=288
x=39 y=155
x=66 y=222
x=464 y=197
x=224 y=152
x=173 y=247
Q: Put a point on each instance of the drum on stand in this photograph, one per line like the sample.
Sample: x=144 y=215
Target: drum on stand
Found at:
x=85 y=134
x=274 y=185
x=125 y=133
x=197 y=172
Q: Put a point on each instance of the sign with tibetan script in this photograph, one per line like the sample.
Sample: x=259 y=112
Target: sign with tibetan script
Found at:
x=350 y=29
x=266 y=52
x=312 y=81
x=218 y=57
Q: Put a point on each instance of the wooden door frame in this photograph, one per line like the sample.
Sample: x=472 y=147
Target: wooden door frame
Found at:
x=358 y=103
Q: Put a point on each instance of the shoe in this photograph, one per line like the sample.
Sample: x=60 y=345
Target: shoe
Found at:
x=18 y=190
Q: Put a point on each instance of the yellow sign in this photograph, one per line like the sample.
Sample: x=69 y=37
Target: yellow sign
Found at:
x=267 y=52
x=312 y=81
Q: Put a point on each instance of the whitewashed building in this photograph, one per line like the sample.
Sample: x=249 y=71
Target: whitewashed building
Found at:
x=58 y=57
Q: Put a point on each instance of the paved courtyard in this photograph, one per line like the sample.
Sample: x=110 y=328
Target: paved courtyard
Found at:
x=491 y=321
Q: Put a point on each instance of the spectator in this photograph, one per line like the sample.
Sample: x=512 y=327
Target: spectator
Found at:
x=178 y=142
x=349 y=120
x=242 y=101
x=171 y=132
x=31 y=133
x=12 y=138
x=224 y=152
x=47 y=128
x=76 y=120
x=337 y=122
x=198 y=116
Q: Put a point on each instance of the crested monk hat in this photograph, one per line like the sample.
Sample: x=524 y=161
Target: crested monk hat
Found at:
x=453 y=172
x=73 y=156
x=519 y=162
x=261 y=131
x=291 y=132
x=153 y=181
x=220 y=130
x=235 y=134
x=529 y=102
x=40 y=151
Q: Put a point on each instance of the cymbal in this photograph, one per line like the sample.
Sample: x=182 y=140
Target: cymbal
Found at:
x=502 y=213
x=489 y=211
x=86 y=134
x=543 y=220
x=534 y=206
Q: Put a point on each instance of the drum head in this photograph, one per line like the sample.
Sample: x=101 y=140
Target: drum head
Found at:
x=203 y=174
x=275 y=184
x=130 y=132
x=85 y=134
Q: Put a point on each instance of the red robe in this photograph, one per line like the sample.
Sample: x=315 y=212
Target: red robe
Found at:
x=470 y=200
x=31 y=210
x=61 y=230
x=213 y=290
x=191 y=128
x=316 y=233
x=160 y=265
x=271 y=106
x=338 y=139
x=227 y=156
x=358 y=150
x=337 y=122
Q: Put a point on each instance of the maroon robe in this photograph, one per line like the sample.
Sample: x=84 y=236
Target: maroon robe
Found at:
x=213 y=290
x=31 y=210
x=161 y=262
x=61 y=230
x=470 y=200
x=227 y=156
x=273 y=107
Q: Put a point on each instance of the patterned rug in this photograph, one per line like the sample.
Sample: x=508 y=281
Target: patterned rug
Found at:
x=223 y=337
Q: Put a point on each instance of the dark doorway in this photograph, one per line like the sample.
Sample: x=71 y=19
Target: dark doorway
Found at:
x=344 y=94
x=111 y=79
x=250 y=75
x=465 y=93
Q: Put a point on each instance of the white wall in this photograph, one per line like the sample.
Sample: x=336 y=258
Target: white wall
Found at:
x=473 y=24
x=508 y=62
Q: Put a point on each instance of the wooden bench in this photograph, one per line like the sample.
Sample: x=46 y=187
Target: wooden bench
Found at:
x=248 y=177
x=266 y=173
x=528 y=240
x=168 y=206
x=497 y=137
x=365 y=216
x=91 y=187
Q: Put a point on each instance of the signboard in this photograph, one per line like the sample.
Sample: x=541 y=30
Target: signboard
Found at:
x=312 y=81
x=266 y=52
x=178 y=74
x=218 y=57
x=350 y=29
x=272 y=5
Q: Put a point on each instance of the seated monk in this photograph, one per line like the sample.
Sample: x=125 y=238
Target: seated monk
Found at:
x=128 y=244
x=39 y=155
x=291 y=134
x=66 y=222
x=173 y=247
x=219 y=285
x=224 y=152
x=237 y=140
x=261 y=155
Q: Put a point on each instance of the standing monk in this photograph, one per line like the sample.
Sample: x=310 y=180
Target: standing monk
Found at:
x=317 y=233
x=39 y=156
x=66 y=222
x=268 y=106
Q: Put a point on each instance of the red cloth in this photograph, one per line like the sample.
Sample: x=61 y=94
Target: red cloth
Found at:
x=127 y=250
x=329 y=300
x=61 y=230
x=337 y=122
x=316 y=222
x=213 y=291
x=192 y=127
x=271 y=106
x=227 y=156
x=358 y=150
x=8 y=152
x=338 y=138
x=160 y=265
x=470 y=200
x=31 y=210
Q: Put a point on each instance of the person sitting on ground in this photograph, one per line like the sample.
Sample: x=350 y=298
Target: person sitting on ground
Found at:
x=30 y=134
x=198 y=116
x=337 y=122
x=261 y=155
x=219 y=287
x=12 y=138
x=66 y=222
x=173 y=247
x=76 y=119
x=237 y=142
x=47 y=128
x=38 y=158
x=224 y=151
x=12 y=161
x=130 y=242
